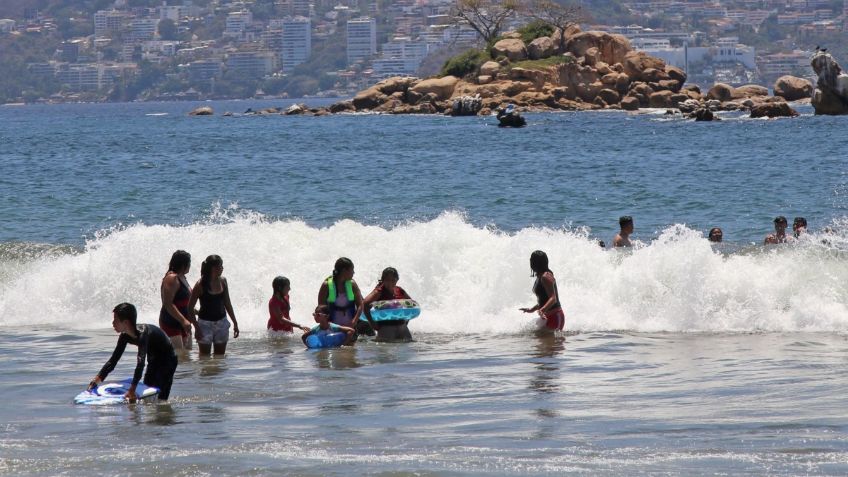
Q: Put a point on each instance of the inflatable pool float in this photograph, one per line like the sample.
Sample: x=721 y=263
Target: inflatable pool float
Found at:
x=405 y=309
x=325 y=340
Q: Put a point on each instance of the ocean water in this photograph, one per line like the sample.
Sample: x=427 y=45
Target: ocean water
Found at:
x=680 y=357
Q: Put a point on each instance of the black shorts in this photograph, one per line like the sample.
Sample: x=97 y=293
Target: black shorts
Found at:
x=160 y=374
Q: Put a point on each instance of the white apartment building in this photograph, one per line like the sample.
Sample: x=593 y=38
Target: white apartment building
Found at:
x=251 y=64
x=175 y=13
x=361 y=39
x=237 y=23
x=400 y=57
x=297 y=41
x=143 y=29
x=107 y=22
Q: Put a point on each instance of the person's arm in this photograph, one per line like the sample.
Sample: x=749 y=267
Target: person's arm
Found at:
x=306 y=335
x=170 y=286
x=548 y=284
x=278 y=315
x=347 y=330
x=196 y=291
x=229 y=306
x=366 y=306
x=110 y=364
x=358 y=301
x=141 y=358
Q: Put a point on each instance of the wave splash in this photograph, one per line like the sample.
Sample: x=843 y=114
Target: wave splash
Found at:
x=469 y=279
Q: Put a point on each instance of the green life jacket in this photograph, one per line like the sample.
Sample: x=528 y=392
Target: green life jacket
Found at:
x=332 y=294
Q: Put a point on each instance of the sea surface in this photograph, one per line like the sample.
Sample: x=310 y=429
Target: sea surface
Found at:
x=680 y=357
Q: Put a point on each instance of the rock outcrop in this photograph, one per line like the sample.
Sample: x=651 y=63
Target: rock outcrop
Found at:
x=202 y=111
x=467 y=105
x=792 y=88
x=831 y=94
x=773 y=110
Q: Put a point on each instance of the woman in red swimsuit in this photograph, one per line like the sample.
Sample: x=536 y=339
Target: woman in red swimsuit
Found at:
x=174 y=317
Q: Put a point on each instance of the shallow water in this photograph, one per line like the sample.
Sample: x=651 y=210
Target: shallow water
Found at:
x=682 y=358
x=594 y=403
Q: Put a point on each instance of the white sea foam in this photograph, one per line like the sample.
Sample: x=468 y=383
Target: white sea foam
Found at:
x=467 y=278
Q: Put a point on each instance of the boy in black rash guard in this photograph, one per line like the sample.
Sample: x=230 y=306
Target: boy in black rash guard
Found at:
x=153 y=345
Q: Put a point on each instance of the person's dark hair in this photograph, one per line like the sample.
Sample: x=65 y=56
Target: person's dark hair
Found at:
x=780 y=219
x=126 y=312
x=342 y=264
x=713 y=231
x=206 y=270
x=625 y=220
x=179 y=261
x=539 y=262
x=279 y=283
x=388 y=272
x=799 y=222
x=322 y=309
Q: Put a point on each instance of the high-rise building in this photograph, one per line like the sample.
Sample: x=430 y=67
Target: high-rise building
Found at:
x=297 y=41
x=251 y=64
x=107 y=22
x=400 y=57
x=237 y=23
x=361 y=39
x=143 y=29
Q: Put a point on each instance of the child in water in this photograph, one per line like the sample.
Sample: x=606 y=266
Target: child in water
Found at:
x=279 y=307
x=388 y=289
x=322 y=317
x=154 y=346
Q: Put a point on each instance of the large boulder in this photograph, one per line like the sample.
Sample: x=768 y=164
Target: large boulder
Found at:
x=512 y=48
x=540 y=48
x=661 y=99
x=609 y=96
x=749 y=91
x=369 y=99
x=441 y=87
x=394 y=84
x=612 y=48
x=570 y=31
x=792 y=88
x=629 y=103
x=675 y=73
x=342 y=107
x=202 y=111
x=635 y=63
x=490 y=68
x=773 y=110
x=721 y=92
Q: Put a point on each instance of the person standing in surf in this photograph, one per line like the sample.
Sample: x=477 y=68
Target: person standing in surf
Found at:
x=341 y=294
x=388 y=289
x=779 y=235
x=212 y=327
x=153 y=347
x=622 y=239
x=175 y=292
x=547 y=294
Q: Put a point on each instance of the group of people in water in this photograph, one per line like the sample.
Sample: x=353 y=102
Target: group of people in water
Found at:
x=799 y=227
x=341 y=307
